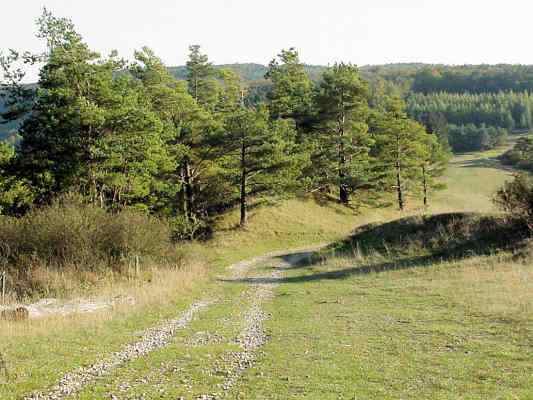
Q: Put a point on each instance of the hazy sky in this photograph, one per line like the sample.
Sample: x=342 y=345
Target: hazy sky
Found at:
x=324 y=31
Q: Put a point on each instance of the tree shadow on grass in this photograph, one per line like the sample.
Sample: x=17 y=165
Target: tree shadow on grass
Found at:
x=365 y=269
x=493 y=163
x=437 y=238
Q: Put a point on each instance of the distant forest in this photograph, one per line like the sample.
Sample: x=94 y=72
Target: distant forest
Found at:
x=472 y=106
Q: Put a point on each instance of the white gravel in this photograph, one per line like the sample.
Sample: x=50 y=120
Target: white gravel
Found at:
x=48 y=307
x=253 y=335
x=152 y=339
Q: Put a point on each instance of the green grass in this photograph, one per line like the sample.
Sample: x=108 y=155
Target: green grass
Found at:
x=378 y=317
x=369 y=336
x=396 y=334
x=472 y=180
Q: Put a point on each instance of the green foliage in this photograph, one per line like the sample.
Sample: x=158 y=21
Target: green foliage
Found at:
x=516 y=199
x=89 y=129
x=521 y=155
x=183 y=228
x=258 y=156
x=291 y=94
x=135 y=136
x=203 y=86
x=15 y=195
x=402 y=150
x=341 y=143
x=473 y=79
x=476 y=121
x=472 y=138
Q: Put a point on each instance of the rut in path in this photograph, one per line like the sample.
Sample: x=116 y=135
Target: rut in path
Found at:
x=152 y=339
x=253 y=336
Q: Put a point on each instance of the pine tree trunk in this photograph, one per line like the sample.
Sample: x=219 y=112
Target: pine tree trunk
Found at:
x=189 y=195
x=344 y=196
x=399 y=185
x=399 y=188
x=243 y=199
x=181 y=195
x=425 y=185
x=186 y=196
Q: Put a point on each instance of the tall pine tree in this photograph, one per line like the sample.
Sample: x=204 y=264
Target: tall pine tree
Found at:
x=341 y=141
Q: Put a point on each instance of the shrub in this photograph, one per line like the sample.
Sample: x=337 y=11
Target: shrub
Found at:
x=516 y=199
x=69 y=231
x=78 y=239
x=188 y=229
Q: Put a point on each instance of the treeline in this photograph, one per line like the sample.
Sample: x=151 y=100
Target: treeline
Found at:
x=129 y=135
x=464 y=138
x=473 y=79
x=473 y=121
x=505 y=110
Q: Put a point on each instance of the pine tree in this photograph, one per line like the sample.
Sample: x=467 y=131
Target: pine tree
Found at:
x=291 y=94
x=57 y=151
x=184 y=126
x=201 y=75
x=433 y=164
x=258 y=156
x=90 y=129
x=400 y=147
x=341 y=141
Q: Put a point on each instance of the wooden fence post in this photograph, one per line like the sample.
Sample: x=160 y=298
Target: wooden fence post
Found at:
x=3 y=287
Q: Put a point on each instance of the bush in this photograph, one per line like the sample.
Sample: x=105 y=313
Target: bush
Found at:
x=520 y=156
x=516 y=199
x=188 y=229
x=70 y=232
x=70 y=236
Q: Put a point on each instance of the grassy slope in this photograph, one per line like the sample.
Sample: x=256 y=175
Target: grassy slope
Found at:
x=329 y=338
x=453 y=330
x=40 y=352
x=392 y=323
x=64 y=344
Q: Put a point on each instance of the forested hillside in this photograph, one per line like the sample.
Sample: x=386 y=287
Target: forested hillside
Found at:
x=474 y=107
x=480 y=104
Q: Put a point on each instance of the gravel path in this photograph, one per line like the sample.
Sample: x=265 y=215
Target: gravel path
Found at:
x=152 y=339
x=253 y=336
x=250 y=340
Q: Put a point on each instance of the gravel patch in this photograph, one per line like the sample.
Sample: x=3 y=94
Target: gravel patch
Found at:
x=204 y=339
x=153 y=339
x=49 y=307
x=253 y=336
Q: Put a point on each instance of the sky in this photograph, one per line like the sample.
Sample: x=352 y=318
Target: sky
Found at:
x=324 y=31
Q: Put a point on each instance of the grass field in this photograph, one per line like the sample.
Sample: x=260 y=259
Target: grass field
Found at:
x=454 y=328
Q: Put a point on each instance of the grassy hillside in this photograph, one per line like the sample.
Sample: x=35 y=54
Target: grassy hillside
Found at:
x=416 y=308
x=405 y=307
x=375 y=318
